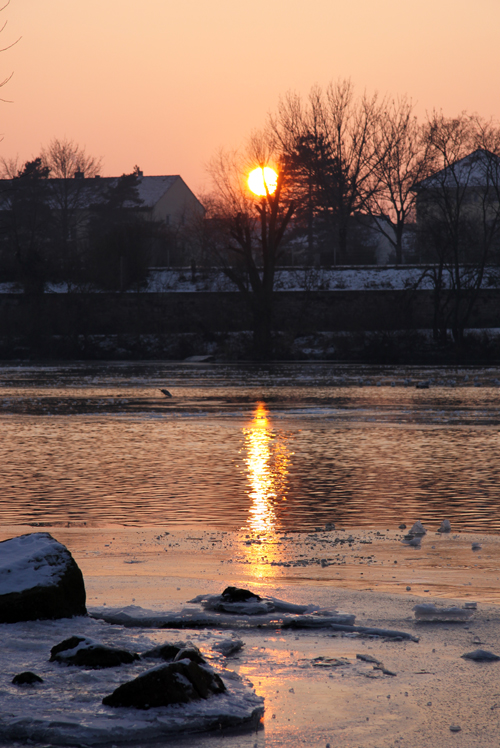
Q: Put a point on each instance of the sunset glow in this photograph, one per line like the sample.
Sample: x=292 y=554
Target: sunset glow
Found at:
x=261 y=178
x=170 y=104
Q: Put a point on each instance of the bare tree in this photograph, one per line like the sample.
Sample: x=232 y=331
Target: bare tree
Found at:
x=245 y=233
x=403 y=158
x=333 y=135
x=72 y=190
x=4 y=49
x=67 y=160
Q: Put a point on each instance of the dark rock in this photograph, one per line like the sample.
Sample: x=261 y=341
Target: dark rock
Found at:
x=481 y=655
x=238 y=595
x=26 y=679
x=166 y=652
x=82 y=652
x=39 y=579
x=190 y=653
x=402 y=526
x=176 y=683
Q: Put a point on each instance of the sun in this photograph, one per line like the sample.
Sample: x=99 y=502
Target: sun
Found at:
x=261 y=177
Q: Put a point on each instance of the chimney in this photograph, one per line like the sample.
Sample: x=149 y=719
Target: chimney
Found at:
x=79 y=174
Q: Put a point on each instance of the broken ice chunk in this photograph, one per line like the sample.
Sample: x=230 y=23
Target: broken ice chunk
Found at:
x=445 y=526
x=476 y=546
x=228 y=647
x=412 y=540
x=481 y=655
x=429 y=612
x=417 y=529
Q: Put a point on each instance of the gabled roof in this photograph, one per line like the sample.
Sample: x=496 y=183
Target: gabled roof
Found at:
x=91 y=190
x=151 y=189
x=478 y=169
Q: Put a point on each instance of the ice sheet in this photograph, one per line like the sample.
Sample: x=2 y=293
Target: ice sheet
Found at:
x=66 y=708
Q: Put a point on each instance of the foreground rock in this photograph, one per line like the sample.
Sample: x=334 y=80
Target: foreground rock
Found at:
x=27 y=678
x=39 y=579
x=238 y=595
x=84 y=652
x=177 y=683
x=167 y=652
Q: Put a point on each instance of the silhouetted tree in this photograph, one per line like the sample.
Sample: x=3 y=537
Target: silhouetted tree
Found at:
x=26 y=223
x=244 y=233
x=403 y=157
x=333 y=137
x=72 y=189
x=120 y=236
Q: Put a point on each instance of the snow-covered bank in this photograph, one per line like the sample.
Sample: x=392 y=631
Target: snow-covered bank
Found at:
x=342 y=278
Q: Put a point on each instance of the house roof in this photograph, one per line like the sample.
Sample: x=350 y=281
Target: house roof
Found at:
x=477 y=169
x=150 y=189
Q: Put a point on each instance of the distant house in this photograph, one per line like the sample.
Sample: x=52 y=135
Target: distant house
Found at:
x=168 y=201
x=458 y=208
x=164 y=201
x=467 y=185
x=473 y=172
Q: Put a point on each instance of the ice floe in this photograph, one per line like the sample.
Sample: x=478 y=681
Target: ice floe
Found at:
x=66 y=708
x=430 y=612
x=211 y=612
x=481 y=655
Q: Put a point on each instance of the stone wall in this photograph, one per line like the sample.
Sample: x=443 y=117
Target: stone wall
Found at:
x=206 y=313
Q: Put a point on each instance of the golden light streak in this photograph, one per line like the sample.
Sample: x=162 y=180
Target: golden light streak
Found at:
x=267 y=460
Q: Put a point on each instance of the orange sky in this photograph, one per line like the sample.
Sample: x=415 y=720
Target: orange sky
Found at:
x=164 y=83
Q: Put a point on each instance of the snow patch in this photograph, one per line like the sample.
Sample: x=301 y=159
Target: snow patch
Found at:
x=30 y=561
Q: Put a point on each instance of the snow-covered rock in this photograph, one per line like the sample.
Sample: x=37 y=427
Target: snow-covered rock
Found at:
x=39 y=579
x=177 y=683
x=85 y=652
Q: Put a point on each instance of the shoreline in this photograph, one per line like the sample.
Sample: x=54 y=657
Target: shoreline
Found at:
x=357 y=559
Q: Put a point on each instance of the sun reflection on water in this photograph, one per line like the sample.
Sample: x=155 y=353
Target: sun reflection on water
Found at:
x=267 y=463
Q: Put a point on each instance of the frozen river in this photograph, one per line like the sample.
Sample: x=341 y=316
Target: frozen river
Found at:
x=163 y=500
x=284 y=447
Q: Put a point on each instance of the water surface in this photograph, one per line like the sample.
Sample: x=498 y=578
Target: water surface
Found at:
x=283 y=447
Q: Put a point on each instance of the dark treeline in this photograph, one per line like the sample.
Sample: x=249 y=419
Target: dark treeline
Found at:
x=60 y=222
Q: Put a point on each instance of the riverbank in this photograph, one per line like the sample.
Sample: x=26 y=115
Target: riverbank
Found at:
x=316 y=688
